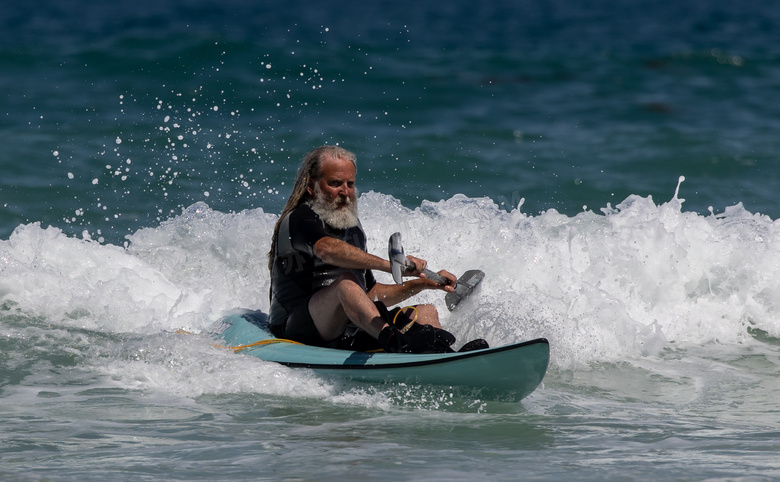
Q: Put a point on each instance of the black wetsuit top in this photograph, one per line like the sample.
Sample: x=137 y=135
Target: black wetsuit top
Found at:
x=297 y=272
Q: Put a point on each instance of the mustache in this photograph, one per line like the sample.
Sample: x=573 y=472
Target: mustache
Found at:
x=340 y=212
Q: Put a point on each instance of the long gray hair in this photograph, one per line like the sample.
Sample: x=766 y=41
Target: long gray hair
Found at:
x=309 y=171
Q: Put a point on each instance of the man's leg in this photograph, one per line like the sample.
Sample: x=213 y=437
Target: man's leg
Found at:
x=343 y=301
x=425 y=315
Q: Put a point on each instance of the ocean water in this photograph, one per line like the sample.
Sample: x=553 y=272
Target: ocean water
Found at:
x=611 y=166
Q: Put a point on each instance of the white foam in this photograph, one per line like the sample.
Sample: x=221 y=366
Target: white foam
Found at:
x=601 y=287
x=192 y=365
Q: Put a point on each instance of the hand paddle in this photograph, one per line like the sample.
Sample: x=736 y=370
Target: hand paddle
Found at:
x=398 y=264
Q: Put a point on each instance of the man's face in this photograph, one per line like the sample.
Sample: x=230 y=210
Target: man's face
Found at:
x=336 y=182
x=333 y=196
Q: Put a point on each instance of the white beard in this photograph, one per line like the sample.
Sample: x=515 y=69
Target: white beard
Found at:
x=339 y=217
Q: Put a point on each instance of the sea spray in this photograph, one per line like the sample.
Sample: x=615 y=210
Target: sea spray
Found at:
x=601 y=287
x=628 y=283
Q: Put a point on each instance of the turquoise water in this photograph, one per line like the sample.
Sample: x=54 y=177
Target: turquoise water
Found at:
x=612 y=168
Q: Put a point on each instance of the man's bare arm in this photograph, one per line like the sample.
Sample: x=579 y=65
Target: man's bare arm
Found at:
x=344 y=255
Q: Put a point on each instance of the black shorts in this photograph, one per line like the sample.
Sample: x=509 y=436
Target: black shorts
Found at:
x=300 y=327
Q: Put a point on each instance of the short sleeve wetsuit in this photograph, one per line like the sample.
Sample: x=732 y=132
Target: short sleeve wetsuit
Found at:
x=297 y=273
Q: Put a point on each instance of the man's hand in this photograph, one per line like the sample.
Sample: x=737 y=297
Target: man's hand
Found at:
x=417 y=268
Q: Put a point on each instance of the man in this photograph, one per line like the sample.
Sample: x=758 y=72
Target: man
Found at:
x=321 y=279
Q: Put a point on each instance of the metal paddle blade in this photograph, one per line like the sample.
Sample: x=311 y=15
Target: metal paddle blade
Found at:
x=463 y=287
x=395 y=253
x=398 y=264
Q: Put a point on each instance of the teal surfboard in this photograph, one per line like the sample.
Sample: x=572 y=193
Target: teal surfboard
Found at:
x=505 y=373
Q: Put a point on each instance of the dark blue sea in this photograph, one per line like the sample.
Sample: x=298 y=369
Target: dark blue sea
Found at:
x=611 y=166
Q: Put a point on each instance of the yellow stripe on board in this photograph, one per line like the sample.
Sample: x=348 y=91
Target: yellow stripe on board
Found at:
x=237 y=349
x=271 y=341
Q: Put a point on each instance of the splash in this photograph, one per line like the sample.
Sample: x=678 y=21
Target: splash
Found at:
x=631 y=282
x=181 y=275
x=626 y=283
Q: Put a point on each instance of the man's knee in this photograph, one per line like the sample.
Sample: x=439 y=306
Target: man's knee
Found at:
x=428 y=315
x=348 y=283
